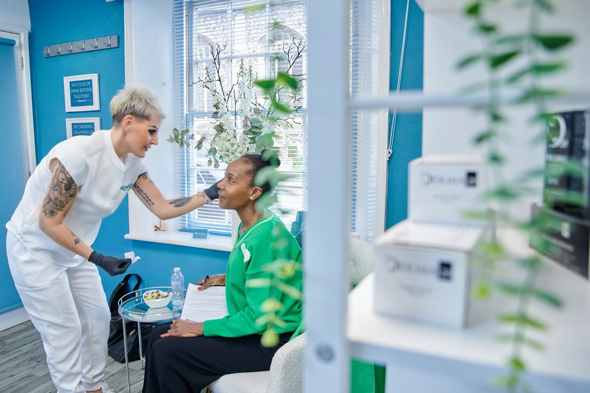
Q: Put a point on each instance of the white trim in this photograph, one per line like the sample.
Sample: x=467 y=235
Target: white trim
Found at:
x=383 y=67
x=95 y=93
x=12 y=318
x=23 y=85
x=327 y=360
x=71 y=121
x=213 y=242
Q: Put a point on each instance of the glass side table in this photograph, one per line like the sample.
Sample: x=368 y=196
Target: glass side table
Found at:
x=133 y=308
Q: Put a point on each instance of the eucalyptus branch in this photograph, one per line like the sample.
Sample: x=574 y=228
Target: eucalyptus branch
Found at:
x=498 y=51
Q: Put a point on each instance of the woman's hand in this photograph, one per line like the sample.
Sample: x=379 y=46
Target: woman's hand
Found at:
x=184 y=328
x=217 y=280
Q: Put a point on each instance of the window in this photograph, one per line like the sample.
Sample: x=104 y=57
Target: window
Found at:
x=168 y=76
x=225 y=29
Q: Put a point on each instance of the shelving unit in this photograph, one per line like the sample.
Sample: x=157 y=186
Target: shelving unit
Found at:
x=420 y=358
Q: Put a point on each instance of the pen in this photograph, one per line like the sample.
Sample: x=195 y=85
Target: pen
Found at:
x=206 y=278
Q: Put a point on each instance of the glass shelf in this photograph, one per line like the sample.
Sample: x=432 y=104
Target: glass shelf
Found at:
x=133 y=308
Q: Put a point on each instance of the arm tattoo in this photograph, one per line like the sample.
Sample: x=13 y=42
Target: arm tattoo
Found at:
x=145 y=196
x=180 y=202
x=76 y=238
x=62 y=190
x=145 y=177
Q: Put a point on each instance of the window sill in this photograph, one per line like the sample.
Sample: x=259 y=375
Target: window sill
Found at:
x=213 y=242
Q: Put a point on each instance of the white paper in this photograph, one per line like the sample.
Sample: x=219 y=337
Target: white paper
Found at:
x=131 y=255
x=203 y=305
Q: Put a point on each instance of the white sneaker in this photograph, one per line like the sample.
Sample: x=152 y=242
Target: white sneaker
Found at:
x=105 y=388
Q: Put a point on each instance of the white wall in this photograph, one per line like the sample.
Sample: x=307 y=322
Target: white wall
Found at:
x=149 y=60
x=448 y=37
x=14 y=13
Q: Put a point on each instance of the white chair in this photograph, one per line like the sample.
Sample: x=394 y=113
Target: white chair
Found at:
x=284 y=375
x=286 y=369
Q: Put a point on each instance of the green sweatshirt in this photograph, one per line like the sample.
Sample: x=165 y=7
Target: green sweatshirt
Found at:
x=252 y=251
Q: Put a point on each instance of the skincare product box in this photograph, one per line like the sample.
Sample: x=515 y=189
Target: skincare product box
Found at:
x=562 y=238
x=423 y=271
x=443 y=189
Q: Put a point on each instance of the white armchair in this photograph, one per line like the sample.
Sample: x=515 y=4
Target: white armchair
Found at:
x=284 y=375
x=286 y=369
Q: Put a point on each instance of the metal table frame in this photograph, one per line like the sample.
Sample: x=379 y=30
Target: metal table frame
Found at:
x=133 y=308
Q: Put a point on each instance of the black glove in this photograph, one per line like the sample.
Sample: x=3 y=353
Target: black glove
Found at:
x=111 y=265
x=212 y=192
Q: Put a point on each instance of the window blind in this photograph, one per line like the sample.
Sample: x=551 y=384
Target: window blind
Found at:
x=260 y=42
x=254 y=38
x=365 y=47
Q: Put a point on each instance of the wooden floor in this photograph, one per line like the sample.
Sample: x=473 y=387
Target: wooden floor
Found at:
x=23 y=368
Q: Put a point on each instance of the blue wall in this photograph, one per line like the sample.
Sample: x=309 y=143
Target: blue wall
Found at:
x=62 y=21
x=408 y=133
x=12 y=175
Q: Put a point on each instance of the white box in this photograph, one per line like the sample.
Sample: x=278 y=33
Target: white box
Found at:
x=442 y=189
x=422 y=271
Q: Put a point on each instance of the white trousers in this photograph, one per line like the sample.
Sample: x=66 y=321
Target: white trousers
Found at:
x=69 y=309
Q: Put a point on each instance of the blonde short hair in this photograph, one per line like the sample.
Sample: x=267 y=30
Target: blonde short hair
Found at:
x=137 y=101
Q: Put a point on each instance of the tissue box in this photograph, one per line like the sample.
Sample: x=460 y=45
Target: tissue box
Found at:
x=423 y=273
x=443 y=188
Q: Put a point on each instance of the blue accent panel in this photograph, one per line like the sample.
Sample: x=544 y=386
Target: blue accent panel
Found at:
x=408 y=134
x=13 y=174
x=64 y=21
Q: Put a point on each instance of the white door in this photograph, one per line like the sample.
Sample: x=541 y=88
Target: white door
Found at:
x=16 y=149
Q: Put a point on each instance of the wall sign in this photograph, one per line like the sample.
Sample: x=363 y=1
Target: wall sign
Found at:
x=81 y=93
x=82 y=126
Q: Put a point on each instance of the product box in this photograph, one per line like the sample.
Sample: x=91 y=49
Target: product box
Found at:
x=443 y=189
x=423 y=271
x=562 y=238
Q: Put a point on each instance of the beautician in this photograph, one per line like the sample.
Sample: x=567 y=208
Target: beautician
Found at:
x=82 y=180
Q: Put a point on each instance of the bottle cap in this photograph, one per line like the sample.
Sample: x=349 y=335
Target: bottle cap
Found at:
x=176 y=269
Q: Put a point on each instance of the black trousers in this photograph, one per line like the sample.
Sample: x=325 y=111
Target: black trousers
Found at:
x=189 y=364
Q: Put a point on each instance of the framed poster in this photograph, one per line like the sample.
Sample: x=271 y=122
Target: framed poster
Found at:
x=82 y=126
x=81 y=93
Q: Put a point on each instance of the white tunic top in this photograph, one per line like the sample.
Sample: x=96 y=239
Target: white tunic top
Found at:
x=104 y=181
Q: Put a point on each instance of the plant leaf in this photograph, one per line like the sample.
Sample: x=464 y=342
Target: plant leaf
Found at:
x=547 y=298
x=290 y=290
x=253 y=8
x=522 y=320
x=265 y=84
x=282 y=108
x=473 y=9
x=484 y=137
x=536 y=93
x=498 y=60
x=258 y=282
x=287 y=80
x=516 y=363
x=554 y=41
x=486 y=28
x=469 y=60
x=537 y=69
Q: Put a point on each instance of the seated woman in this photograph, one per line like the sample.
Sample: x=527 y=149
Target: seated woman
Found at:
x=187 y=356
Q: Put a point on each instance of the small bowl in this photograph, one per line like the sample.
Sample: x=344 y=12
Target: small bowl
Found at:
x=157 y=298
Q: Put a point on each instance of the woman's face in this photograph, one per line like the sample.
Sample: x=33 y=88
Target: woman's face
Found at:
x=142 y=133
x=235 y=189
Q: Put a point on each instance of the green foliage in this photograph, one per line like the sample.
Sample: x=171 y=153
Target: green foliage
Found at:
x=520 y=52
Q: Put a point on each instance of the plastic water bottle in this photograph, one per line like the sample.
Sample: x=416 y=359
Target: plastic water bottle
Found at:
x=177 y=284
